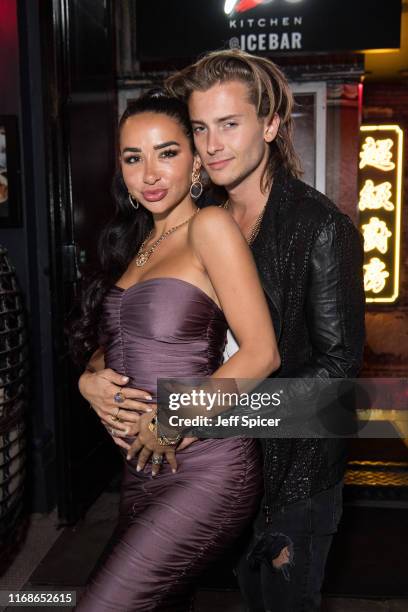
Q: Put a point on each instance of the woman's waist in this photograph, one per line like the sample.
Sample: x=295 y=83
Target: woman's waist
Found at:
x=152 y=361
x=147 y=377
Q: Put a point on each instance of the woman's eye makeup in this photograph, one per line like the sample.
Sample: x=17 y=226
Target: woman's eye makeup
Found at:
x=131 y=159
x=165 y=154
x=169 y=153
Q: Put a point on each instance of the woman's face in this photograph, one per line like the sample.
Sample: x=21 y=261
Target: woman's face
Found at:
x=156 y=161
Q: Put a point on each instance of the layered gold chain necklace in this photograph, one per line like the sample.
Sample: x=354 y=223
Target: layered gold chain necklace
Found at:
x=143 y=256
x=255 y=227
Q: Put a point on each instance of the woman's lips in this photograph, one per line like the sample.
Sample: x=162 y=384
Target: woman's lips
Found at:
x=219 y=165
x=155 y=195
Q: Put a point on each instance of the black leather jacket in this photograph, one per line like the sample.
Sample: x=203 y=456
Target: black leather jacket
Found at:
x=310 y=257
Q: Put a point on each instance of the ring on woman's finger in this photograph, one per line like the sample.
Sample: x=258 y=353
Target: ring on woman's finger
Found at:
x=117 y=418
x=157 y=459
x=114 y=417
x=119 y=397
x=115 y=432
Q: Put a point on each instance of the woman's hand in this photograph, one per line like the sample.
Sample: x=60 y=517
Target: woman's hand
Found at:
x=120 y=415
x=146 y=444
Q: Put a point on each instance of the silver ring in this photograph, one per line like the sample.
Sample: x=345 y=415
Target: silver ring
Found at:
x=157 y=459
x=119 y=397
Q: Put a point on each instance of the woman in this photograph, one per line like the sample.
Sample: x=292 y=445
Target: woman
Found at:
x=175 y=279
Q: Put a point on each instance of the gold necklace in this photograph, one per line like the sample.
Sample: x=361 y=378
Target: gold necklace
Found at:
x=255 y=227
x=143 y=256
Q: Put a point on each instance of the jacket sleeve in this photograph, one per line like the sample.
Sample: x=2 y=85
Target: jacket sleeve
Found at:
x=334 y=310
x=334 y=307
x=335 y=303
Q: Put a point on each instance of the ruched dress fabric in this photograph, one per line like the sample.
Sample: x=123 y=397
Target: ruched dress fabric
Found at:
x=171 y=526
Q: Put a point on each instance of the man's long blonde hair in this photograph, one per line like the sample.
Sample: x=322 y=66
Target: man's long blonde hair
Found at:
x=268 y=90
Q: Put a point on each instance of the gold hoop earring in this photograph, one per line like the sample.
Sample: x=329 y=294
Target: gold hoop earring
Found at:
x=132 y=202
x=196 y=188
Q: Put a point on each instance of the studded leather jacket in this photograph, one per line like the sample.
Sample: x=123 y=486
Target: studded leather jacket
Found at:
x=310 y=257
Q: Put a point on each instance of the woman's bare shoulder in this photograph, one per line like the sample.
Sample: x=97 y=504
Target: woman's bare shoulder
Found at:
x=210 y=219
x=214 y=229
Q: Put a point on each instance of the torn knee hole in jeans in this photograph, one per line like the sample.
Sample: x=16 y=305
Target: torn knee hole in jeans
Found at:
x=283 y=558
x=274 y=549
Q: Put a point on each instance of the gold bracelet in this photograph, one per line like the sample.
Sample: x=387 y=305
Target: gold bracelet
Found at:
x=163 y=440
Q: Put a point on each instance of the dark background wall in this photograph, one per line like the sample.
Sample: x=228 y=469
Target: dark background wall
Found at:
x=57 y=78
x=10 y=105
x=21 y=95
x=9 y=79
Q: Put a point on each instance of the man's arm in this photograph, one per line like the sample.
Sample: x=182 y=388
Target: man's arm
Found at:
x=334 y=308
x=96 y=362
x=335 y=303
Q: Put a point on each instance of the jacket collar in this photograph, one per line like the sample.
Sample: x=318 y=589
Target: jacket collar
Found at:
x=265 y=247
x=277 y=197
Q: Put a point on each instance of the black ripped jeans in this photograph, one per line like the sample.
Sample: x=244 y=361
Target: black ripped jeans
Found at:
x=307 y=527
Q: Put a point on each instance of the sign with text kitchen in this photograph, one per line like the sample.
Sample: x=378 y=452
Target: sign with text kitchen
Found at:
x=175 y=29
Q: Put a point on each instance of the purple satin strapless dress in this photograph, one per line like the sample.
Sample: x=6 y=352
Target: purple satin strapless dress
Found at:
x=172 y=526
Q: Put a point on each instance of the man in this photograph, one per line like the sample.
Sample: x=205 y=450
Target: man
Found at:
x=309 y=258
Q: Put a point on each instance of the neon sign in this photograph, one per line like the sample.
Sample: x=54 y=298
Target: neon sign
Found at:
x=241 y=6
x=380 y=184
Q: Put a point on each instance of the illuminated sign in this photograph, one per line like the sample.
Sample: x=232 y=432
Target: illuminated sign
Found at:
x=241 y=6
x=183 y=29
x=380 y=184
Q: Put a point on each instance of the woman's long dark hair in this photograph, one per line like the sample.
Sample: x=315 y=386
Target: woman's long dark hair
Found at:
x=121 y=238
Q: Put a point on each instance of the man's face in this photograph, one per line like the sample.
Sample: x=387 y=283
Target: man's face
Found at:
x=230 y=138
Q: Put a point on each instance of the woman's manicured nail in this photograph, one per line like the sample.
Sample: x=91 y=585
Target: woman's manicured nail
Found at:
x=125 y=378
x=174 y=470
x=149 y=409
x=138 y=468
